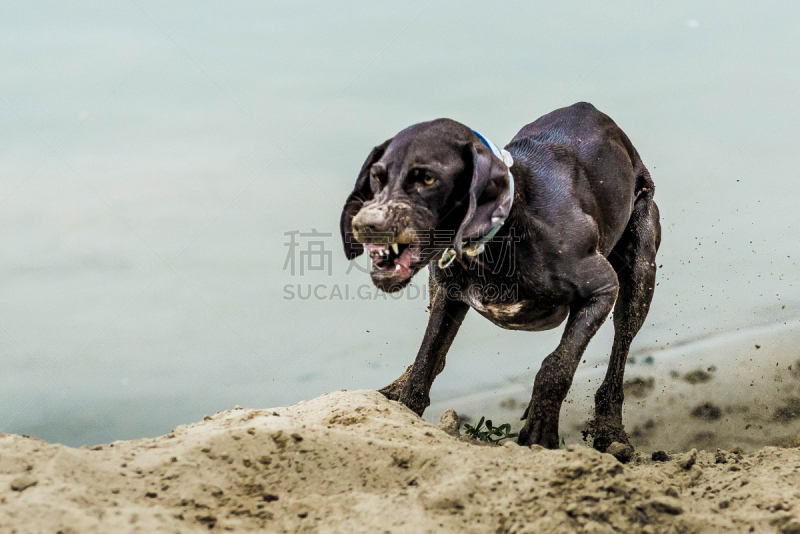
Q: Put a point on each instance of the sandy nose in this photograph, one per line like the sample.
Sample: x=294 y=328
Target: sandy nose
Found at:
x=370 y=221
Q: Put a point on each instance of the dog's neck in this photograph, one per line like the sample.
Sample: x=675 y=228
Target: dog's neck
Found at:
x=477 y=248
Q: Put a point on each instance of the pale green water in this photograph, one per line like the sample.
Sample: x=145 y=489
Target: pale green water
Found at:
x=141 y=273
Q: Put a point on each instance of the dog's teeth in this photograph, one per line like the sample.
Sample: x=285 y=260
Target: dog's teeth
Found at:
x=395 y=248
x=397 y=267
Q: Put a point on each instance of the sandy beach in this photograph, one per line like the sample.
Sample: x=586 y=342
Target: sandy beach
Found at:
x=356 y=462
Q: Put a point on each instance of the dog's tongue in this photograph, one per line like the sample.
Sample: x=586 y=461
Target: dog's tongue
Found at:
x=403 y=261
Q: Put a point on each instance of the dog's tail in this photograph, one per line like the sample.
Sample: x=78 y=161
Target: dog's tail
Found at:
x=644 y=182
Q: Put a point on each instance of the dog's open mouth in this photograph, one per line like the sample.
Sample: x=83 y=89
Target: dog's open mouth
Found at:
x=395 y=262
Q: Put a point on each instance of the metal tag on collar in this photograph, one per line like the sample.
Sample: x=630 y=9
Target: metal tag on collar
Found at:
x=450 y=255
x=447 y=258
x=474 y=250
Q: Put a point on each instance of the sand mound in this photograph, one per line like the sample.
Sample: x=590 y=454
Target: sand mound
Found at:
x=355 y=462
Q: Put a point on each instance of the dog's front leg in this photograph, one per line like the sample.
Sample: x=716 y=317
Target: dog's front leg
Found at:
x=554 y=378
x=414 y=386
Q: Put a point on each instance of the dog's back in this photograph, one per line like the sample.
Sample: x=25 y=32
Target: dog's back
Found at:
x=580 y=126
x=578 y=154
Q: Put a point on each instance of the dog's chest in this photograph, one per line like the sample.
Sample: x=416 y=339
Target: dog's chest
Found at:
x=509 y=311
x=490 y=305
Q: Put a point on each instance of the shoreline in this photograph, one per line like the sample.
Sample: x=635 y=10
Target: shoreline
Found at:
x=740 y=395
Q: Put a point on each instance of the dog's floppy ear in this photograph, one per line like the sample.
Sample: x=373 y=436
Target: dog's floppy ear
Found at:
x=489 y=196
x=361 y=193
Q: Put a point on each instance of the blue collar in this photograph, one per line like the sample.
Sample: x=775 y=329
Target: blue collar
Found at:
x=503 y=155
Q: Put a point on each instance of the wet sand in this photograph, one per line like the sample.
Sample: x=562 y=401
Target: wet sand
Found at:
x=737 y=389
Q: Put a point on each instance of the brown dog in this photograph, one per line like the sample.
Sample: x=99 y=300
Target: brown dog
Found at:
x=561 y=224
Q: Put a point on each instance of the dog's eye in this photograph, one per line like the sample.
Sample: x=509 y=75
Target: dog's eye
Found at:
x=427 y=179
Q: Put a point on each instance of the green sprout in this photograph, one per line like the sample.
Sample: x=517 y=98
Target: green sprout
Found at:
x=492 y=434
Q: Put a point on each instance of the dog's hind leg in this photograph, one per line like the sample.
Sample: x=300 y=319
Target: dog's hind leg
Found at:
x=554 y=378
x=634 y=260
x=414 y=386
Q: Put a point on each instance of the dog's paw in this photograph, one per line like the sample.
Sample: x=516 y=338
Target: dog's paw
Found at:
x=604 y=432
x=395 y=389
x=412 y=403
x=415 y=400
x=390 y=392
x=538 y=433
